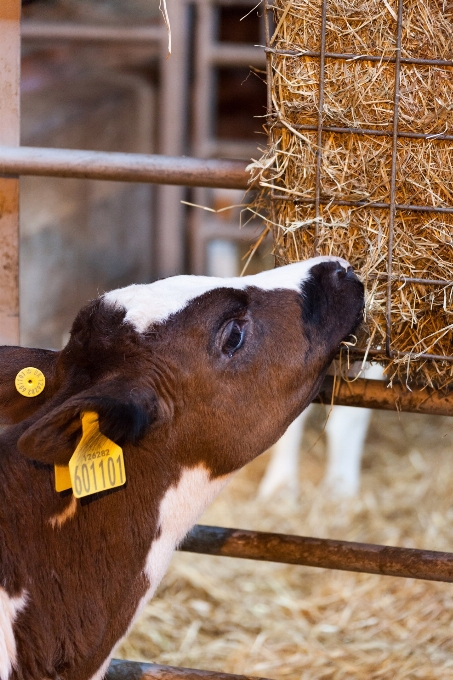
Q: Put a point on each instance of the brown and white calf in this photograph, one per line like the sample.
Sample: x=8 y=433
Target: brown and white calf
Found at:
x=193 y=377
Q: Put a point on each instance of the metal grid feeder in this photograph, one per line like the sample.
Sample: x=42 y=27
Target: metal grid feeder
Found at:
x=299 y=208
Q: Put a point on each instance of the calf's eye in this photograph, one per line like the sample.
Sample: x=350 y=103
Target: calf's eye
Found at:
x=233 y=337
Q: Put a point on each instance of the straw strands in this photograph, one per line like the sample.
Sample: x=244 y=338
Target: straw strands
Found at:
x=357 y=165
x=298 y=623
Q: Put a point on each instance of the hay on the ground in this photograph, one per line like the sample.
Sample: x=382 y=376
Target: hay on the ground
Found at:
x=360 y=94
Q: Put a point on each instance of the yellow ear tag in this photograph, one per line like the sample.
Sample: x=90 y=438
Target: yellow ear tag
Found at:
x=30 y=382
x=62 y=478
x=97 y=464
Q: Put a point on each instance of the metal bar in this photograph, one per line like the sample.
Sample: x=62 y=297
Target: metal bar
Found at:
x=137 y=670
x=204 y=116
x=168 y=255
x=320 y=552
x=62 y=31
x=411 y=279
x=396 y=102
x=267 y=33
x=361 y=351
x=123 y=167
x=232 y=54
x=319 y=124
x=362 y=204
x=361 y=57
x=9 y=188
x=375 y=394
x=365 y=131
x=204 y=84
x=428 y=357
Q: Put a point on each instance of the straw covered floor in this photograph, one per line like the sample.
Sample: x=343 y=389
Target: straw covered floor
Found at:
x=359 y=95
x=299 y=623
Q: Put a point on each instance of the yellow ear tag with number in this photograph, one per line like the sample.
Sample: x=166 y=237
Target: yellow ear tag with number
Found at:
x=30 y=382
x=97 y=464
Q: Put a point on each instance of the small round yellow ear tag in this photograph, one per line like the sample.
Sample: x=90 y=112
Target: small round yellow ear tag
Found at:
x=30 y=382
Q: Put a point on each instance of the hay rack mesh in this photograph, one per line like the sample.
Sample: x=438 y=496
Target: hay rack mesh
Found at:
x=360 y=164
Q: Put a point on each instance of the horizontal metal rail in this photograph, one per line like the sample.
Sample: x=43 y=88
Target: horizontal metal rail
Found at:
x=58 y=30
x=360 y=57
x=364 y=203
x=123 y=167
x=385 y=560
x=415 y=356
x=232 y=54
x=366 y=131
x=135 y=670
x=400 y=278
x=375 y=394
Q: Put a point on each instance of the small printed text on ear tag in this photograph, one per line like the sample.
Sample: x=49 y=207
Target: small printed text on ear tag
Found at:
x=97 y=464
x=30 y=382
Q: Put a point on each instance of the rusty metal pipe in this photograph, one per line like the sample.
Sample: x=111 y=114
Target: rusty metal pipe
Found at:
x=123 y=167
x=135 y=670
x=376 y=394
x=9 y=188
x=321 y=552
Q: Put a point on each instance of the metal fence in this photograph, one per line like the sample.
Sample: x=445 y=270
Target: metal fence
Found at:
x=395 y=134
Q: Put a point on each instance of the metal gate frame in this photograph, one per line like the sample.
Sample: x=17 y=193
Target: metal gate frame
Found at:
x=176 y=171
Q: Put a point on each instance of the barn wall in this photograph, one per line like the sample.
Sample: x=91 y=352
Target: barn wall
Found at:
x=81 y=237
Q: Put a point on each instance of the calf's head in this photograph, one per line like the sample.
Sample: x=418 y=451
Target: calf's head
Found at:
x=201 y=369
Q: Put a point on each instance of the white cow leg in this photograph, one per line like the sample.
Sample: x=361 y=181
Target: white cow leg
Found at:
x=346 y=430
x=282 y=469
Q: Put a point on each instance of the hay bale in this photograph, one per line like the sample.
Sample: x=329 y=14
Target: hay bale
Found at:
x=338 y=201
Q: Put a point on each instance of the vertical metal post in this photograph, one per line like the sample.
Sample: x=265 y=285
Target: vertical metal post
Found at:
x=267 y=35
x=396 y=103
x=202 y=124
x=170 y=236
x=322 y=59
x=203 y=107
x=9 y=188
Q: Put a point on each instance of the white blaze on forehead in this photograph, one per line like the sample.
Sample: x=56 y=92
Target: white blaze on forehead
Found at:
x=155 y=302
x=9 y=609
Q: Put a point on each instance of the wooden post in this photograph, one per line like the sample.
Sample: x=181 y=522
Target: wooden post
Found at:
x=9 y=188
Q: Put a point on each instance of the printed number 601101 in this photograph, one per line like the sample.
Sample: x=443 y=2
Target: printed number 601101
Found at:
x=98 y=476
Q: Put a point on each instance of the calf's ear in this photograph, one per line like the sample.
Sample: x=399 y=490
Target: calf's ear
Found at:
x=125 y=413
x=14 y=407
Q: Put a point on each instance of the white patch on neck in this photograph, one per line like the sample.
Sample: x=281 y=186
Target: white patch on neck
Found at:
x=156 y=302
x=180 y=508
x=9 y=609
x=57 y=521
